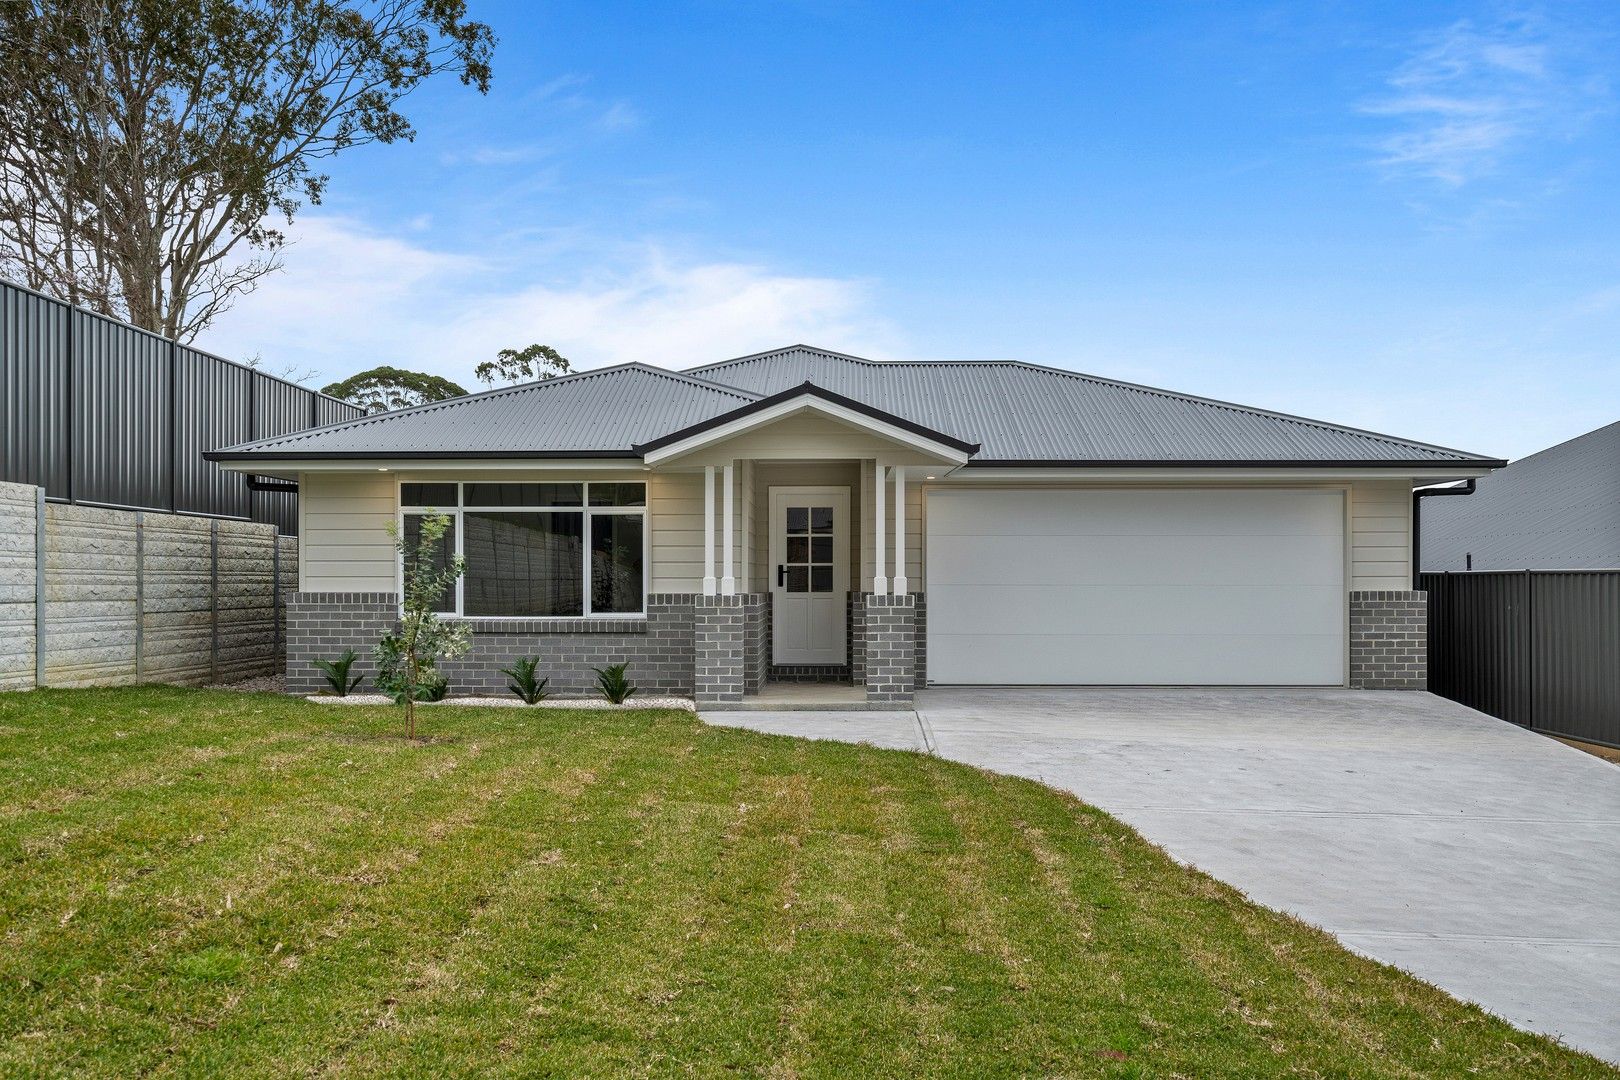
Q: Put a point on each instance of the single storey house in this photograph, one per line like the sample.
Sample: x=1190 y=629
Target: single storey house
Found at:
x=802 y=514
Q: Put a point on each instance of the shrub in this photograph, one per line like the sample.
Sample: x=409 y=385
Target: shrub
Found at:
x=613 y=683
x=523 y=683
x=337 y=672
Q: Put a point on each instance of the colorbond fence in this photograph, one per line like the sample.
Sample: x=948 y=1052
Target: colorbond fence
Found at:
x=101 y=413
x=1539 y=648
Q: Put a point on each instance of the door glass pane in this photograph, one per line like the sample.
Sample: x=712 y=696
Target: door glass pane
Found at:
x=798 y=549
x=524 y=494
x=821 y=579
x=821 y=549
x=618 y=494
x=442 y=554
x=798 y=579
x=524 y=563
x=615 y=563
x=798 y=519
x=821 y=519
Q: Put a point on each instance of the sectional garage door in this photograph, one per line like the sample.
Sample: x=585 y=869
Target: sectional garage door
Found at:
x=1145 y=587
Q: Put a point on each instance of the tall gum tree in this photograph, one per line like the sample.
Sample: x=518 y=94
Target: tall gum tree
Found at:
x=150 y=149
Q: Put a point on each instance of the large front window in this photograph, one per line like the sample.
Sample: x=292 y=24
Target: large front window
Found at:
x=539 y=549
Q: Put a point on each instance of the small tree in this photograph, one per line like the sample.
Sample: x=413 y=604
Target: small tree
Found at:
x=406 y=659
x=523 y=365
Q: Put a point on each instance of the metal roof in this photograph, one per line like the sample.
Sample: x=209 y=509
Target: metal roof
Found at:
x=1555 y=510
x=1026 y=414
x=600 y=413
x=1018 y=414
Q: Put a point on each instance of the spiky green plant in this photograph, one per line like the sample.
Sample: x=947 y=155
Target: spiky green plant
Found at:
x=613 y=683
x=337 y=672
x=523 y=683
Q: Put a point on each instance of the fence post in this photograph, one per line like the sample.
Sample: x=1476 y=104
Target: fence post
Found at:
x=39 y=586
x=140 y=594
x=213 y=600
x=275 y=590
x=1529 y=649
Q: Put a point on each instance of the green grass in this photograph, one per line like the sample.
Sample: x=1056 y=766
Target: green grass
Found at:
x=201 y=883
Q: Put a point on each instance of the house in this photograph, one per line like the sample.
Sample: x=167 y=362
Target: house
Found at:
x=1555 y=510
x=802 y=514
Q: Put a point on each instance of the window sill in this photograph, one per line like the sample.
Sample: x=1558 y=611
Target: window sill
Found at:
x=594 y=624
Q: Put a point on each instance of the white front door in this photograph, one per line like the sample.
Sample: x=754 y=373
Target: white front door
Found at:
x=809 y=574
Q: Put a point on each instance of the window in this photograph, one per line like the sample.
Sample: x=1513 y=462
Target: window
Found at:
x=539 y=550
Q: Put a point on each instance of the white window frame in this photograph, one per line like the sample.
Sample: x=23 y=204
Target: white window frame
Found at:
x=585 y=509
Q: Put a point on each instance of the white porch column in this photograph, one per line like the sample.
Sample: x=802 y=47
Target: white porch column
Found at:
x=880 y=582
x=708 y=530
x=900 y=583
x=728 y=578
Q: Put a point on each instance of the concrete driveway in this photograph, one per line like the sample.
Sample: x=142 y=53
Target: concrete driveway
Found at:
x=1474 y=854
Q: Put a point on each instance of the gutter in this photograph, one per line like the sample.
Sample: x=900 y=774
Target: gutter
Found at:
x=1418 y=495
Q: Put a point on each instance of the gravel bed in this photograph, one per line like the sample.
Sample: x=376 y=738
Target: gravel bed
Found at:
x=513 y=703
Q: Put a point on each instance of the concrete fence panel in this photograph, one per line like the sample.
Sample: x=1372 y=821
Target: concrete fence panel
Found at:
x=99 y=597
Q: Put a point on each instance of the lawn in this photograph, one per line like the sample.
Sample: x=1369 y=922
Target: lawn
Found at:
x=204 y=882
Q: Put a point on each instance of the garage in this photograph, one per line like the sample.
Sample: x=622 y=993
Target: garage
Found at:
x=1235 y=587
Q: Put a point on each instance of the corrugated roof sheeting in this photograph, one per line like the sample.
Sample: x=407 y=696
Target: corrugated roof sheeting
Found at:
x=1555 y=510
x=595 y=411
x=1022 y=412
x=1017 y=412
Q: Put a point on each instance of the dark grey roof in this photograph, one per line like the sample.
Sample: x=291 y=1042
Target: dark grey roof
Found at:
x=1018 y=414
x=601 y=413
x=1555 y=510
x=1024 y=413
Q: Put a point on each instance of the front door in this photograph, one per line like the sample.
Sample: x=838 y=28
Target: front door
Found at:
x=809 y=574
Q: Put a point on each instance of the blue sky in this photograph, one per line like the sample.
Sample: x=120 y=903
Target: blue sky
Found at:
x=1399 y=216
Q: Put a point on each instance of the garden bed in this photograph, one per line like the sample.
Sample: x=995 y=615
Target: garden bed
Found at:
x=512 y=702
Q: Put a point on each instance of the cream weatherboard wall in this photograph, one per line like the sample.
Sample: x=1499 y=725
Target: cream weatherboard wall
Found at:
x=343 y=523
x=344 y=519
x=1380 y=535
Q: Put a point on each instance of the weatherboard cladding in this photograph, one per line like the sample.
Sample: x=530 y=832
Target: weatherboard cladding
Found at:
x=1018 y=413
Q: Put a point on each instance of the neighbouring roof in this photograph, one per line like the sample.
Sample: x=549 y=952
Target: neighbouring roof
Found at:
x=1555 y=510
x=601 y=413
x=1015 y=413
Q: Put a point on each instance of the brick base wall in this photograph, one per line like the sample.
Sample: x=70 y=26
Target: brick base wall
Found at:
x=321 y=625
x=722 y=652
x=856 y=635
x=756 y=641
x=659 y=649
x=1389 y=640
x=890 y=650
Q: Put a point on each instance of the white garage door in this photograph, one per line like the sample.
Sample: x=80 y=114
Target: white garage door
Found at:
x=1230 y=587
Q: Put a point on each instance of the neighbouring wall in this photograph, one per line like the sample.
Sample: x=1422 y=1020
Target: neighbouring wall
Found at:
x=137 y=596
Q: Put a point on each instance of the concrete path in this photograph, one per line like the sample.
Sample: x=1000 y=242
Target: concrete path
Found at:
x=1476 y=855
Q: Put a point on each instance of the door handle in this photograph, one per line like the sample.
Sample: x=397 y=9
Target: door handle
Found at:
x=781 y=575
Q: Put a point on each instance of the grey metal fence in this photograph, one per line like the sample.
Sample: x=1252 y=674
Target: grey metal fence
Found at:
x=1539 y=648
x=101 y=413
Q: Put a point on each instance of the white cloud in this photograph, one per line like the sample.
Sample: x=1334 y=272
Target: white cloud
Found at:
x=350 y=299
x=1473 y=95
